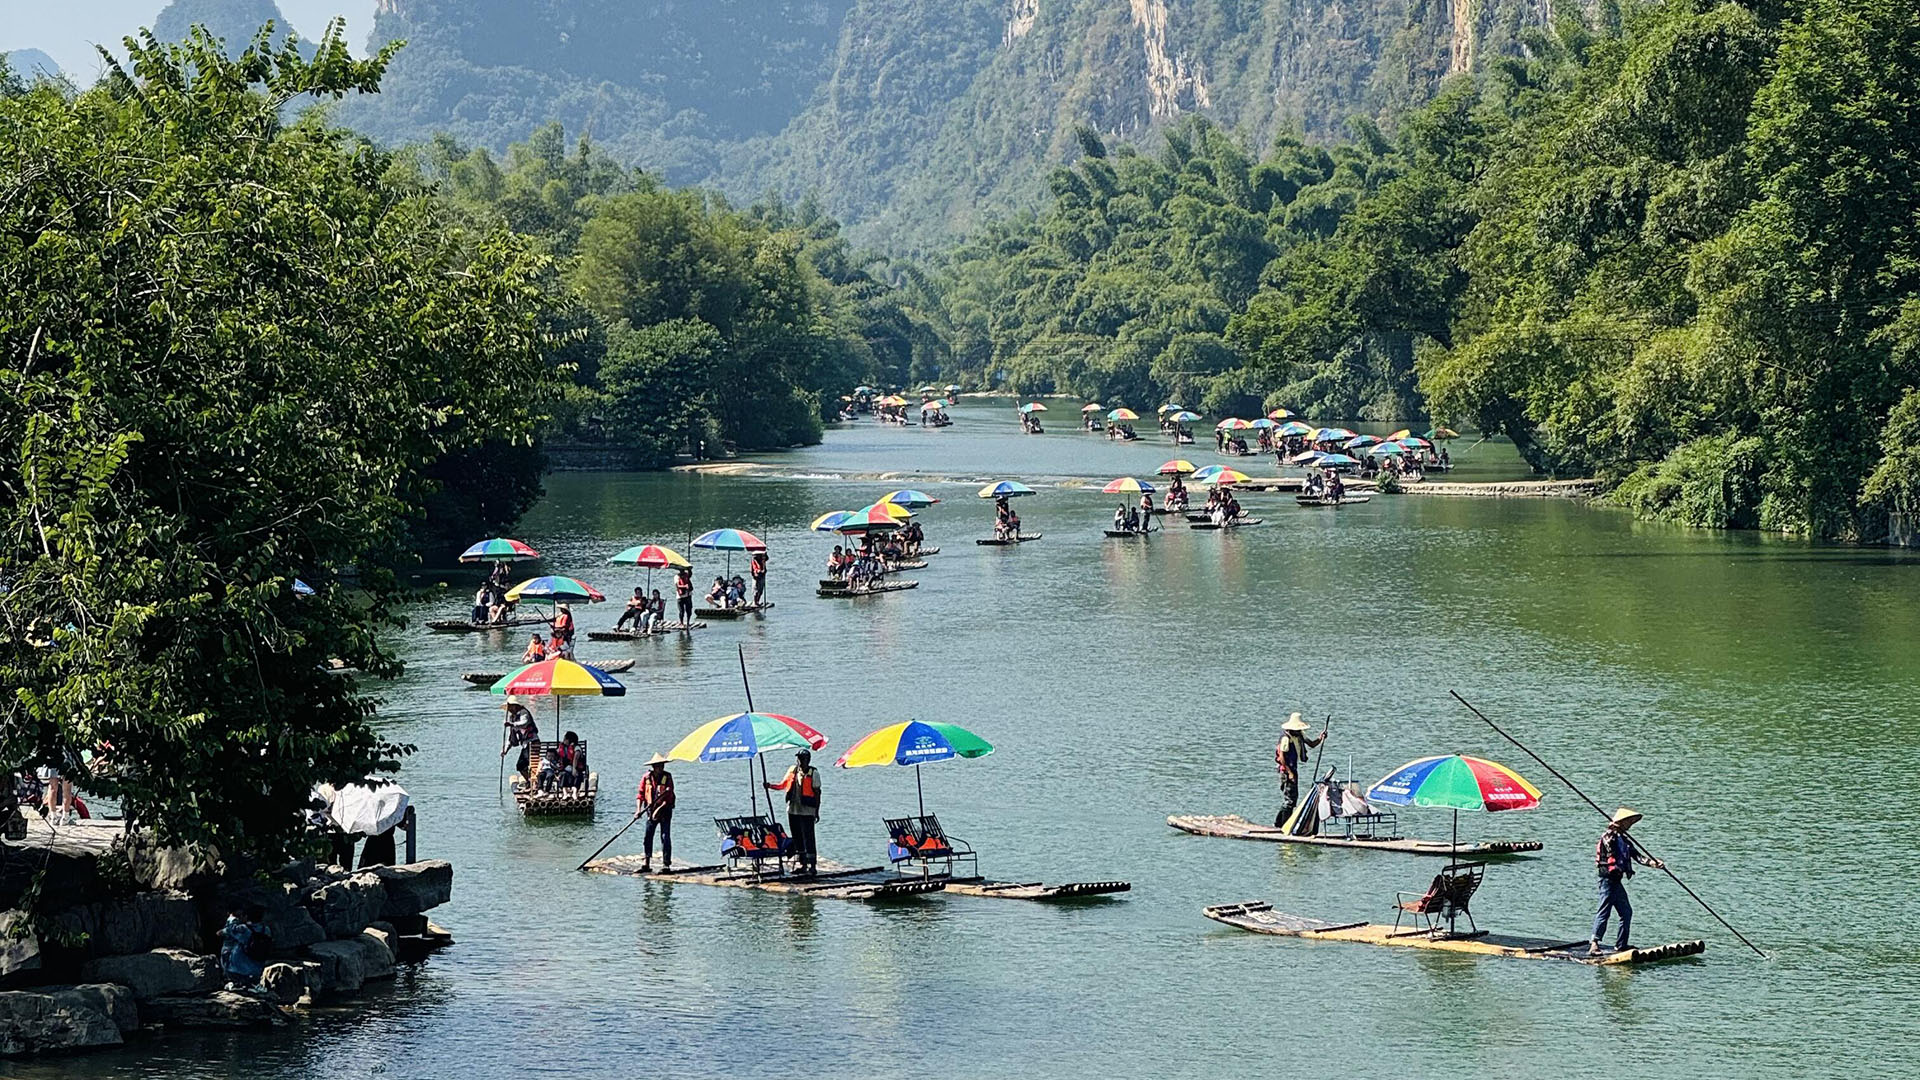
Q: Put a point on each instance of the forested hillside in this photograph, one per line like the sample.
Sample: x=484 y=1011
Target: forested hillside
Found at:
x=913 y=120
x=1682 y=258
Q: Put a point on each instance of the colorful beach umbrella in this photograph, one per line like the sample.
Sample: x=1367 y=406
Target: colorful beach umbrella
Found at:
x=1456 y=782
x=1233 y=423
x=1184 y=417
x=1033 y=407
x=1264 y=423
x=934 y=406
x=1123 y=414
x=1126 y=484
x=1204 y=473
x=652 y=556
x=1172 y=406
x=729 y=540
x=1225 y=477
x=1294 y=427
x=558 y=678
x=915 y=743
x=830 y=520
x=557 y=590
x=1398 y=435
x=876 y=518
x=1281 y=414
x=1360 y=442
x=908 y=497
x=498 y=549
x=1091 y=406
x=1414 y=442
x=746 y=736
x=1387 y=449
x=1443 y=433
x=1005 y=489
x=1309 y=458
x=1176 y=467
x=1335 y=461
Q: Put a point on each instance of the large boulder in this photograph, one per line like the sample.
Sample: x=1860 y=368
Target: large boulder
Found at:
x=156 y=973
x=19 y=949
x=287 y=983
x=136 y=924
x=63 y=1018
x=344 y=908
x=414 y=887
x=292 y=925
x=224 y=1009
x=347 y=964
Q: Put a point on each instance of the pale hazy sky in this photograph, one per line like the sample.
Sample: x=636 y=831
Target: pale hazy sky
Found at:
x=67 y=29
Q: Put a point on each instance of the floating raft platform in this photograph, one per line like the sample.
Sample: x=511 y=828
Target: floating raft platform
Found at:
x=844 y=592
x=1033 y=890
x=1237 y=523
x=1258 y=917
x=1115 y=534
x=926 y=551
x=463 y=626
x=1314 y=501
x=1009 y=543
x=730 y=613
x=1235 y=827
x=636 y=635
x=488 y=678
x=833 y=881
x=560 y=802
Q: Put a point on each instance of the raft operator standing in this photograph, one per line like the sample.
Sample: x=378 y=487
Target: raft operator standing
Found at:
x=1287 y=758
x=1613 y=859
x=802 y=787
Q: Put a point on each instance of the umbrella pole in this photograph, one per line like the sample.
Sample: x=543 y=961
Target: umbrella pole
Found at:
x=504 y=730
x=919 y=790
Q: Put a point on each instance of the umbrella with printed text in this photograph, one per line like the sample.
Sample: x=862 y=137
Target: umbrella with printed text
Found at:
x=915 y=743
x=1456 y=782
x=746 y=736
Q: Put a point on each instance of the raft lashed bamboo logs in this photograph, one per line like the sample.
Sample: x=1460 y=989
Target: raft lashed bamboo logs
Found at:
x=1258 y=917
x=731 y=613
x=1009 y=542
x=1236 y=827
x=637 y=635
x=847 y=592
x=466 y=626
x=839 y=882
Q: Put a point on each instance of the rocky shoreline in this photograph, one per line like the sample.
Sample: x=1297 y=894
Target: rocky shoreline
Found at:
x=89 y=958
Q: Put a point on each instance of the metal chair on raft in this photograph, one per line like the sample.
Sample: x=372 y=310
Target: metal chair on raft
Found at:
x=1449 y=897
x=921 y=842
x=753 y=840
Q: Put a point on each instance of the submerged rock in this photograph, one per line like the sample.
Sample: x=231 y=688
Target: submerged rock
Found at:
x=223 y=1009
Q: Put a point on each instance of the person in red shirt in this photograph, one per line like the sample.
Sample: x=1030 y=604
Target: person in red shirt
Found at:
x=654 y=801
x=683 y=589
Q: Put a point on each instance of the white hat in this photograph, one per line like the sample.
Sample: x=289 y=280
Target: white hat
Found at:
x=1625 y=818
x=1294 y=723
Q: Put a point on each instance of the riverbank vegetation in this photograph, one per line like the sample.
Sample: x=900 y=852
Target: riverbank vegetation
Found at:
x=235 y=355
x=1676 y=251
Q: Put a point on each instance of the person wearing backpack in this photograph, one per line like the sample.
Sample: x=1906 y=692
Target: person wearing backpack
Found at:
x=245 y=946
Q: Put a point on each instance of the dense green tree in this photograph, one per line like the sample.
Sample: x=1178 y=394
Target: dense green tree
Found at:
x=233 y=354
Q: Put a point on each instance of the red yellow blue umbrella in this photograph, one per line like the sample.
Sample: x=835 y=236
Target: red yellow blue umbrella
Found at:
x=558 y=678
x=1125 y=485
x=746 y=736
x=915 y=743
x=1176 y=467
x=1456 y=782
x=498 y=549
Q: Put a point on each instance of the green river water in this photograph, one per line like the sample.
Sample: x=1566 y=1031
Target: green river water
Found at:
x=1758 y=699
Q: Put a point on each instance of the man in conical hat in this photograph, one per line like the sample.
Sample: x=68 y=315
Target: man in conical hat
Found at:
x=1287 y=758
x=1613 y=859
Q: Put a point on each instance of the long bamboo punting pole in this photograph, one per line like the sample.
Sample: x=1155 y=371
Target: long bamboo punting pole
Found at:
x=1634 y=840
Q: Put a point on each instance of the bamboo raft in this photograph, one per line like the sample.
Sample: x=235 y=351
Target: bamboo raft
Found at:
x=1008 y=543
x=1235 y=827
x=488 y=678
x=464 y=626
x=1033 y=890
x=636 y=635
x=561 y=802
x=730 y=613
x=1237 y=523
x=1322 y=500
x=926 y=551
x=872 y=590
x=834 y=881
x=1258 y=917
x=1116 y=534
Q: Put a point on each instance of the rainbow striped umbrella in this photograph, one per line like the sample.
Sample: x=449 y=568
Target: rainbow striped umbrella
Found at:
x=1123 y=414
x=498 y=549
x=830 y=520
x=555 y=589
x=1207 y=473
x=1414 y=442
x=558 y=678
x=908 y=497
x=1033 y=407
x=1456 y=782
x=1398 y=435
x=1005 y=489
x=1173 y=406
x=651 y=556
x=1359 y=442
x=1176 y=467
x=1225 y=477
x=1264 y=423
x=915 y=743
x=1387 y=449
x=1233 y=423
x=1281 y=414
x=729 y=541
x=1126 y=484
x=1091 y=406
x=1184 y=417
x=1294 y=427
x=746 y=736
x=1335 y=461
x=880 y=517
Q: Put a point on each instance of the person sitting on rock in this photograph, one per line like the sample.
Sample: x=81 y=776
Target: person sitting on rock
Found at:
x=245 y=944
